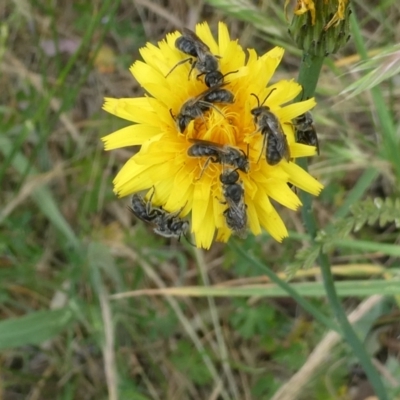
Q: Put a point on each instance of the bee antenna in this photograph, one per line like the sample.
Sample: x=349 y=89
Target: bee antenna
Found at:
x=172 y=115
x=269 y=94
x=231 y=72
x=258 y=100
x=263 y=146
x=154 y=191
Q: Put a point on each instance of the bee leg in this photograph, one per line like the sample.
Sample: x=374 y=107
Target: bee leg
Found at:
x=180 y=63
x=193 y=64
x=199 y=75
x=176 y=213
x=148 y=204
x=262 y=147
x=207 y=104
x=189 y=241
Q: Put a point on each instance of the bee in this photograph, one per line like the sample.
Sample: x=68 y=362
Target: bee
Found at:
x=197 y=106
x=144 y=210
x=305 y=130
x=215 y=78
x=274 y=141
x=171 y=225
x=205 y=62
x=236 y=214
x=164 y=223
x=219 y=153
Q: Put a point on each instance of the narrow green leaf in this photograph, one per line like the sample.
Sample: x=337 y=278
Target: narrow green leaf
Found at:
x=354 y=288
x=34 y=328
x=383 y=66
x=42 y=196
x=363 y=245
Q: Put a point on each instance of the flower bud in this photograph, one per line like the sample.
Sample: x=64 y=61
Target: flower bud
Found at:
x=320 y=27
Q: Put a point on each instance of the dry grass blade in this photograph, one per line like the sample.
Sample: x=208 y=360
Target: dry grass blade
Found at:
x=224 y=355
x=108 y=348
x=12 y=66
x=123 y=250
x=384 y=66
x=160 y=11
x=28 y=188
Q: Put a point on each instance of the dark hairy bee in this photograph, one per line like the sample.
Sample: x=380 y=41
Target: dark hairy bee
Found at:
x=170 y=225
x=215 y=78
x=164 y=223
x=236 y=214
x=144 y=210
x=197 y=106
x=219 y=153
x=204 y=61
x=305 y=130
x=274 y=141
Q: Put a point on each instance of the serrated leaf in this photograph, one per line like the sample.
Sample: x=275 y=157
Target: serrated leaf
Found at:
x=34 y=328
x=344 y=227
x=306 y=257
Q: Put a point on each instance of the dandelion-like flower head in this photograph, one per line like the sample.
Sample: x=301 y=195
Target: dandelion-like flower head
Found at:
x=178 y=181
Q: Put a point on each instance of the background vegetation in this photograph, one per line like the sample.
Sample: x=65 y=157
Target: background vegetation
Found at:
x=196 y=325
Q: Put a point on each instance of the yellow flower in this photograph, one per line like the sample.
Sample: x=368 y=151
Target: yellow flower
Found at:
x=180 y=181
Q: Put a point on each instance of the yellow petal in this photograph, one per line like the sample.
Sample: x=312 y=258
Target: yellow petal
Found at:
x=274 y=225
x=129 y=136
x=280 y=192
x=135 y=110
x=223 y=37
x=204 y=33
x=302 y=179
x=301 y=150
x=252 y=216
x=294 y=110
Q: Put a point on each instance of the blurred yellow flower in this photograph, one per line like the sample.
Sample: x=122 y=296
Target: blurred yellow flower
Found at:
x=178 y=180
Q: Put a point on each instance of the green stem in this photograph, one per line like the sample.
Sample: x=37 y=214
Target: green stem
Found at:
x=305 y=304
x=308 y=77
x=309 y=72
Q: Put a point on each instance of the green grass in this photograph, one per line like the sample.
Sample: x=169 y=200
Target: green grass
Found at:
x=226 y=322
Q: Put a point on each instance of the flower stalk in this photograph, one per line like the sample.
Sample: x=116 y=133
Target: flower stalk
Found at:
x=310 y=32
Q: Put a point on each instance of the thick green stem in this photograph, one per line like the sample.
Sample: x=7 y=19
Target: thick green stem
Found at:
x=308 y=77
x=309 y=72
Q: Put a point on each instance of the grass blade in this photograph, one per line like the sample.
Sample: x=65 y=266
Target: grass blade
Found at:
x=34 y=328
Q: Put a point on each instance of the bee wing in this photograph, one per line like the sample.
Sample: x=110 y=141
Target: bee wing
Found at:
x=201 y=47
x=286 y=148
x=215 y=146
x=206 y=92
x=139 y=216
